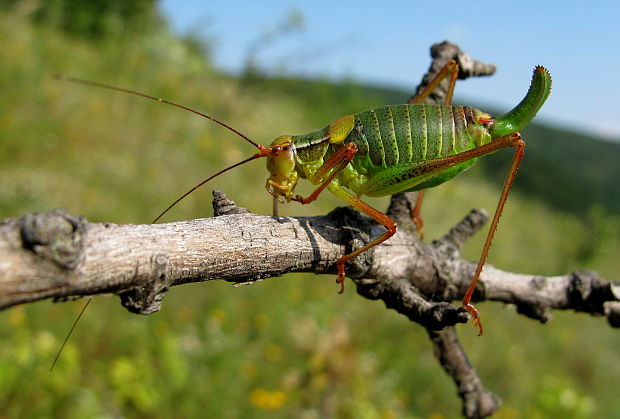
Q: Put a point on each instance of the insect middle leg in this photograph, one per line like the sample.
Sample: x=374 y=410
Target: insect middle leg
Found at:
x=415 y=214
x=333 y=166
x=377 y=215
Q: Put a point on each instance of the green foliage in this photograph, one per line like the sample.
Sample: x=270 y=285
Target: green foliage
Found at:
x=92 y=19
x=281 y=348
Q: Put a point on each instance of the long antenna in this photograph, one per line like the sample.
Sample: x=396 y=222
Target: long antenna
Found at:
x=203 y=182
x=69 y=334
x=157 y=99
x=263 y=152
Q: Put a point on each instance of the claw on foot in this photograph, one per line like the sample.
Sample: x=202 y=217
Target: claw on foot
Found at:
x=415 y=214
x=340 y=279
x=475 y=316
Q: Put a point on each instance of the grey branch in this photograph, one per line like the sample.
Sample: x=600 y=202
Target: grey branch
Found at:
x=61 y=256
x=57 y=255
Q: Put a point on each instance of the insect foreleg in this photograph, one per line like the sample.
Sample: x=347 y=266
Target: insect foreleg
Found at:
x=338 y=161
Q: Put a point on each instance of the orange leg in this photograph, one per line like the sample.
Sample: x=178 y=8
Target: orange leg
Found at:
x=514 y=141
x=450 y=69
x=336 y=163
x=380 y=217
x=429 y=168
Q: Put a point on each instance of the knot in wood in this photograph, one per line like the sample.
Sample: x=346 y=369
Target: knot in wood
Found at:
x=588 y=292
x=147 y=298
x=54 y=236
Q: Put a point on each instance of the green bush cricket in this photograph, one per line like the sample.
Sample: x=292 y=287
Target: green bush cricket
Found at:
x=387 y=150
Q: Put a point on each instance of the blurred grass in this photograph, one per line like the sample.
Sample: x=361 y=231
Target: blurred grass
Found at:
x=281 y=348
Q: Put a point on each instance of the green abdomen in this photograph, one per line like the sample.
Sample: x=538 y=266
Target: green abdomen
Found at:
x=396 y=134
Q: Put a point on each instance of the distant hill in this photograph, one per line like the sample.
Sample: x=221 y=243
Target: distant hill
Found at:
x=588 y=168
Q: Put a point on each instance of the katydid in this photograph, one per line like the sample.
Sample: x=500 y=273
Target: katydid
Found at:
x=387 y=150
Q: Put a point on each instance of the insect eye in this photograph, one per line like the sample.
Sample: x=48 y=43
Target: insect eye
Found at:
x=486 y=120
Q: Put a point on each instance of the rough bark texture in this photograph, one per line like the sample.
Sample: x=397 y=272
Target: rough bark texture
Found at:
x=62 y=256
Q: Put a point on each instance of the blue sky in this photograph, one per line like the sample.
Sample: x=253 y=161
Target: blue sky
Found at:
x=388 y=44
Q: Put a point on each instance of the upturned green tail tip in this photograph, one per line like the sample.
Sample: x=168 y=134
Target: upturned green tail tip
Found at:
x=524 y=112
